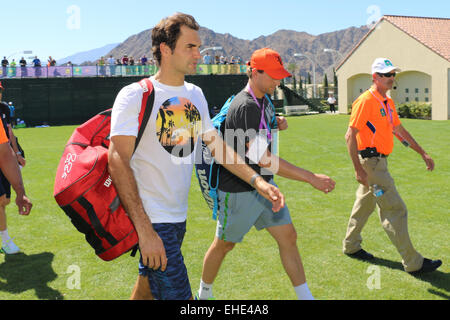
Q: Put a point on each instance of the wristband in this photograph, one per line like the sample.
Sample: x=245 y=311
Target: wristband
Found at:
x=18 y=153
x=253 y=179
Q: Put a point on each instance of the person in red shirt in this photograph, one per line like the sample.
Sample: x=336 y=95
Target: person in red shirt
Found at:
x=370 y=140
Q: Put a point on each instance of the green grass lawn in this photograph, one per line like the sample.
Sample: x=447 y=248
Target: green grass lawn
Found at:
x=53 y=249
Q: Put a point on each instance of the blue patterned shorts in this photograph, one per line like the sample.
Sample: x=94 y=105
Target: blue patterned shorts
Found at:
x=173 y=283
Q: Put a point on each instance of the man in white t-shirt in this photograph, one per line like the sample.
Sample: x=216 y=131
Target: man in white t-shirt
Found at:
x=153 y=182
x=332 y=102
x=112 y=65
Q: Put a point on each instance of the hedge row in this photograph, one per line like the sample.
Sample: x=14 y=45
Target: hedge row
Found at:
x=412 y=110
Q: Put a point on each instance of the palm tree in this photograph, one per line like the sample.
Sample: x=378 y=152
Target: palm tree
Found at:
x=191 y=112
x=188 y=111
x=193 y=115
x=162 y=113
x=196 y=117
x=188 y=114
x=170 y=125
x=168 y=132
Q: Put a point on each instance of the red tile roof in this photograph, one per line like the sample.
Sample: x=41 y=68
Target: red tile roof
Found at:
x=434 y=33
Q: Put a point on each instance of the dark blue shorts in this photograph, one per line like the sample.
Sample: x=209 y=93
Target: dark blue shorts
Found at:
x=5 y=186
x=173 y=283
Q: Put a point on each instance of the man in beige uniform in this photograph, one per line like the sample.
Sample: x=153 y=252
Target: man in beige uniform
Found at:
x=370 y=140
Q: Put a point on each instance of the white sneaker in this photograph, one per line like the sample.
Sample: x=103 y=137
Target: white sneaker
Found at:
x=10 y=247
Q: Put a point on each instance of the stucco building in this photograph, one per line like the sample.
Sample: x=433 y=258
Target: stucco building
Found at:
x=419 y=46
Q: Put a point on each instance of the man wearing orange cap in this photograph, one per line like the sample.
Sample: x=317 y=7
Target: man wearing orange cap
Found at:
x=9 y=176
x=370 y=140
x=249 y=128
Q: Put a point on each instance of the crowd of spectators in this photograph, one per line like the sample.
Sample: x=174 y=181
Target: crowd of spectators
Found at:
x=104 y=64
x=36 y=62
x=10 y=67
x=143 y=61
x=125 y=61
x=23 y=63
x=208 y=59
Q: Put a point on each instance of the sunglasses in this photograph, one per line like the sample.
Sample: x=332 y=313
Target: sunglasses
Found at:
x=387 y=75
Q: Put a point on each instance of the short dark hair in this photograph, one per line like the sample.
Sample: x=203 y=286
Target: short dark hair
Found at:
x=168 y=31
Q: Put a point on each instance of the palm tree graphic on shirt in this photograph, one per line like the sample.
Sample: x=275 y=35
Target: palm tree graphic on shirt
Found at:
x=178 y=124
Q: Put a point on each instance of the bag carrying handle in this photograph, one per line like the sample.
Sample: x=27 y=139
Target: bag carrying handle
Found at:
x=148 y=100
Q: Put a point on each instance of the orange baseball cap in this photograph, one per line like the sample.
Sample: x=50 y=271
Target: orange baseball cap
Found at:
x=270 y=62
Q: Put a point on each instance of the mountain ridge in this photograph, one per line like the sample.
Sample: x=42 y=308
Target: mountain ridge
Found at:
x=286 y=42
x=88 y=55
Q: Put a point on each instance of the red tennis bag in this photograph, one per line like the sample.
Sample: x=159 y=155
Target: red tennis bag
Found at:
x=84 y=189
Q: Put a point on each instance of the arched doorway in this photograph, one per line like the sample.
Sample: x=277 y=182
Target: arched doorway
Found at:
x=356 y=85
x=412 y=86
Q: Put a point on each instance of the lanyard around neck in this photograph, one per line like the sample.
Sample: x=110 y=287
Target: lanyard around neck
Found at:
x=263 y=123
x=386 y=107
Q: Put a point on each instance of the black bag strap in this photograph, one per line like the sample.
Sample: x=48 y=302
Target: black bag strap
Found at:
x=134 y=250
x=96 y=222
x=148 y=111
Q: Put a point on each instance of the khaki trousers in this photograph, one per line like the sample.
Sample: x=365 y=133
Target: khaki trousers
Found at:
x=392 y=212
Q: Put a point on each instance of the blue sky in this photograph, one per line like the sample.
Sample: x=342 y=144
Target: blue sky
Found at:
x=63 y=27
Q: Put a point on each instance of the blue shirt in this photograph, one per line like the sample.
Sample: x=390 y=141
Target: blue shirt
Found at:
x=207 y=59
x=11 y=110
